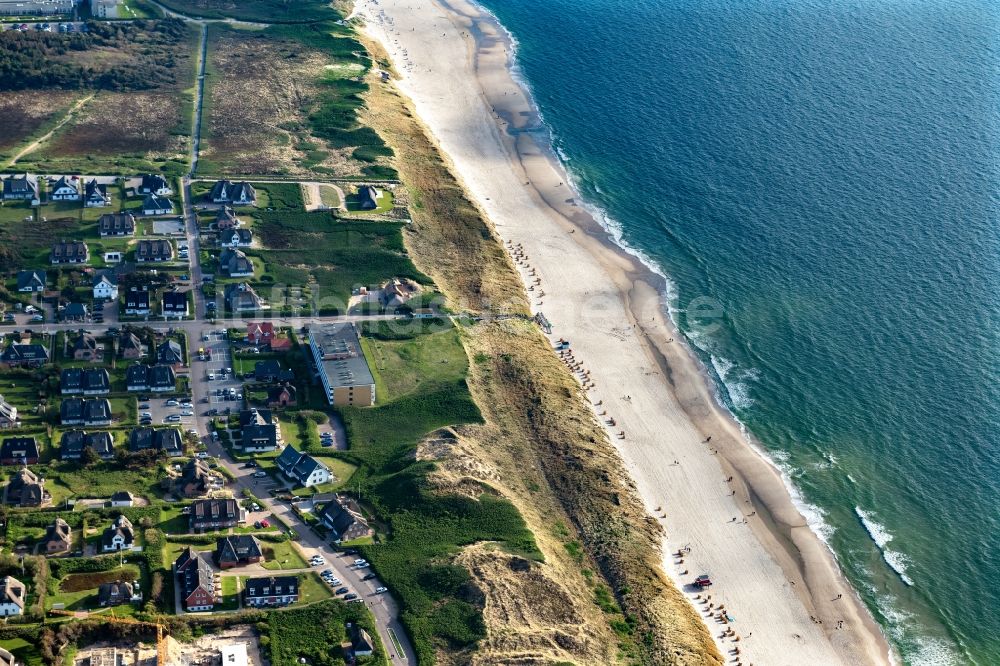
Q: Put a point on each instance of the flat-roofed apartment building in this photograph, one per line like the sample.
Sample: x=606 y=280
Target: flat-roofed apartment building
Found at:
x=40 y=7
x=341 y=364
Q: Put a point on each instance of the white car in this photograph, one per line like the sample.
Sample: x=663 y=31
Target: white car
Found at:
x=202 y=455
x=260 y=475
x=381 y=590
x=187 y=412
x=359 y=562
x=172 y=418
x=171 y=403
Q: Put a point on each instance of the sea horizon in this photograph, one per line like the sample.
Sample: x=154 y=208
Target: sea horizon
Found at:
x=851 y=509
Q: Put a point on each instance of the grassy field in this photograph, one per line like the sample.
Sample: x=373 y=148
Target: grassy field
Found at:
x=127 y=127
x=423 y=380
x=278 y=104
x=310 y=631
x=337 y=255
x=270 y=11
x=401 y=367
x=27 y=114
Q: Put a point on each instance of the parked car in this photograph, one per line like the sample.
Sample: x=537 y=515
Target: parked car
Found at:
x=172 y=418
x=350 y=597
x=260 y=474
x=368 y=576
x=341 y=590
x=171 y=403
x=359 y=562
x=381 y=590
x=144 y=405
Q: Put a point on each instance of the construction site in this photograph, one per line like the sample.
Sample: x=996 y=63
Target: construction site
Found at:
x=234 y=647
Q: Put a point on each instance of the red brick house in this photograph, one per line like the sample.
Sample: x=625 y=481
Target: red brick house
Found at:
x=234 y=551
x=260 y=333
x=199 y=591
x=281 y=396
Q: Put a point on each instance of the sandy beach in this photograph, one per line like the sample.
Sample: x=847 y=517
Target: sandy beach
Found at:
x=694 y=468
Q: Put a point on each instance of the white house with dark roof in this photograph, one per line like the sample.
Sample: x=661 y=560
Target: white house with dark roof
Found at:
x=64 y=189
x=105 y=287
x=95 y=195
x=236 y=194
x=31 y=281
x=116 y=224
x=154 y=205
x=21 y=188
x=152 y=183
x=174 y=304
x=234 y=238
x=301 y=468
x=137 y=302
x=235 y=263
x=12 y=596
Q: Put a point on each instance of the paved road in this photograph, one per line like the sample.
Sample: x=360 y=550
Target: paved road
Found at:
x=198 y=100
x=382 y=606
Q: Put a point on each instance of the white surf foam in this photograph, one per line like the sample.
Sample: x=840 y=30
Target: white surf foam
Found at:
x=881 y=536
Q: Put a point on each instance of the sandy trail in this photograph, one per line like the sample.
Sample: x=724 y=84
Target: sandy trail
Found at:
x=771 y=572
x=34 y=145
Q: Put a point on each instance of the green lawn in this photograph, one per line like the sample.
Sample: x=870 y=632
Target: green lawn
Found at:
x=79 y=591
x=384 y=201
x=25 y=652
x=341 y=469
x=280 y=196
x=329 y=196
x=312 y=589
x=282 y=555
x=338 y=255
x=402 y=366
x=273 y=11
x=173 y=549
x=230 y=594
x=311 y=631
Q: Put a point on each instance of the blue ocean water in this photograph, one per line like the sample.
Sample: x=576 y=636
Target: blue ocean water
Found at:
x=827 y=172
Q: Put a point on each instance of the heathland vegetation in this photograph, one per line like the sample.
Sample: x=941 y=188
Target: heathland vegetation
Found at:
x=295 y=116
x=142 y=55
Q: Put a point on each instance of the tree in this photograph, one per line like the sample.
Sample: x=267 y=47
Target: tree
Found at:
x=89 y=457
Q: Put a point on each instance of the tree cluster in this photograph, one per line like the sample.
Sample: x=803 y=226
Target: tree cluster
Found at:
x=42 y=60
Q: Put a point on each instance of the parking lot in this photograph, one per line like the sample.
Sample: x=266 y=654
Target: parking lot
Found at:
x=162 y=413
x=221 y=386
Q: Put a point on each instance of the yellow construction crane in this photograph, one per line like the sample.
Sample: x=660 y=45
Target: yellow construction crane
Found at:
x=161 y=646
